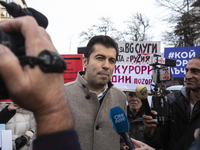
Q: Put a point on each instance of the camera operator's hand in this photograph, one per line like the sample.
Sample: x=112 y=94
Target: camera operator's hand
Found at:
x=159 y=92
x=13 y=106
x=30 y=88
x=149 y=123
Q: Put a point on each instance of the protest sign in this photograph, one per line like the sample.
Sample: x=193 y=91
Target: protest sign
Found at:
x=182 y=55
x=74 y=65
x=132 y=67
x=5 y=138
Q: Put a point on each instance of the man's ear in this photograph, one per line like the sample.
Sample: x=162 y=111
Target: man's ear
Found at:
x=84 y=62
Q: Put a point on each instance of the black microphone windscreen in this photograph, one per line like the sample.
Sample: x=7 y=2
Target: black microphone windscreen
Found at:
x=4 y=4
x=40 y=18
x=14 y=9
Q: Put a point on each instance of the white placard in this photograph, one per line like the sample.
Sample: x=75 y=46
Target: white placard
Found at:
x=6 y=139
x=132 y=68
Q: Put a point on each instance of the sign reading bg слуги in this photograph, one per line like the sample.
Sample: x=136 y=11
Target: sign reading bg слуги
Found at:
x=132 y=68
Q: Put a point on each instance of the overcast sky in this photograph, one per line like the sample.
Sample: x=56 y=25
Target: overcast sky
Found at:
x=68 y=18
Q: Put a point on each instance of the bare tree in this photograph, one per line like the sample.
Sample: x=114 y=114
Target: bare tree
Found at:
x=184 y=22
x=87 y=35
x=137 y=27
x=105 y=27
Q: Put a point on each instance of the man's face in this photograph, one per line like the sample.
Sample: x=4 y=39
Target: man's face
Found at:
x=192 y=77
x=133 y=102
x=101 y=65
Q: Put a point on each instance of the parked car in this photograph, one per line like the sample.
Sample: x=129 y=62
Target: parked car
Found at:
x=174 y=88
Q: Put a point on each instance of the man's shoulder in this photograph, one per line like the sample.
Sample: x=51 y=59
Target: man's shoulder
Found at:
x=70 y=85
x=118 y=91
x=172 y=97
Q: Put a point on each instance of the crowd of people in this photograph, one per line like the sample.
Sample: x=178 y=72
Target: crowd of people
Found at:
x=21 y=122
x=76 y=115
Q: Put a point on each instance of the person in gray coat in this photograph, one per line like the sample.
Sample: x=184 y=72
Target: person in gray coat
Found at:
x=91 y=96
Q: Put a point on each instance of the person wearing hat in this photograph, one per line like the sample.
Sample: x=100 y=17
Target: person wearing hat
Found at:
x=134 y=115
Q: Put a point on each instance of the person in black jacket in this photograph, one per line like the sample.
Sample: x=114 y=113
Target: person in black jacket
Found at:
x=178 y=131
x=8 y=112
x=134 y=115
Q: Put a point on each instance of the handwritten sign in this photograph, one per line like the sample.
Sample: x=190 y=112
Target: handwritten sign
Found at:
x=132 y=68
x=136 y=52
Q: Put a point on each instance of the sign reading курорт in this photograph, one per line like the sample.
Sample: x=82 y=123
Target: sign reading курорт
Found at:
x=132 y=68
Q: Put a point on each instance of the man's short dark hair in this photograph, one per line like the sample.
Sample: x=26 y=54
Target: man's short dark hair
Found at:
x=196 y=57
x=100 y=39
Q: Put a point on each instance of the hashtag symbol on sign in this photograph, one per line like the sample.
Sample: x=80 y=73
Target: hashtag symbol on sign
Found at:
x=171 y=55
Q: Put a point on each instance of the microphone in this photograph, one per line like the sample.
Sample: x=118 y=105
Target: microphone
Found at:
x=16 y=11
x=119 y=122
x=142 y=93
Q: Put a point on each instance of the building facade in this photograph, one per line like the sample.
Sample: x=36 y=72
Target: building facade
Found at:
x=4 y=14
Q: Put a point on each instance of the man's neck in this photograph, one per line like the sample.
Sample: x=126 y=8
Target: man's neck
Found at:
x=134 y=111
x=98 y=90
x=194 y=97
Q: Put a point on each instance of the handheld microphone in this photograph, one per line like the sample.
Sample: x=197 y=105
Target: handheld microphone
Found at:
x=142 y=93
x=16 y=11
x=119 y=122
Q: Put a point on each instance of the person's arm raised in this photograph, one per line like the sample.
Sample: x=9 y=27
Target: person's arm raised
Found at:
x=30 y=88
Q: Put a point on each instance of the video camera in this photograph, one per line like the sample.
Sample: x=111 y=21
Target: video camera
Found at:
x=15 y=41
x=161 y=72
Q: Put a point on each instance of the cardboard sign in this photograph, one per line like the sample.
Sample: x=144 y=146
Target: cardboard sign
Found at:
x=137 y=52
x=74 y=65
x=132 y=68
x=5 y=138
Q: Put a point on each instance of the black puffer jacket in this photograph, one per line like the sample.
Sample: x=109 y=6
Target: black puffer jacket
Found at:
x=136 y=126
x=178 y=132
x=6 y=115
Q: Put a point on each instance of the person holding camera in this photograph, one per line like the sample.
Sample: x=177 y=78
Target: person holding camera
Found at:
x=37 y=91
x=178 y=132
x=21 y=122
